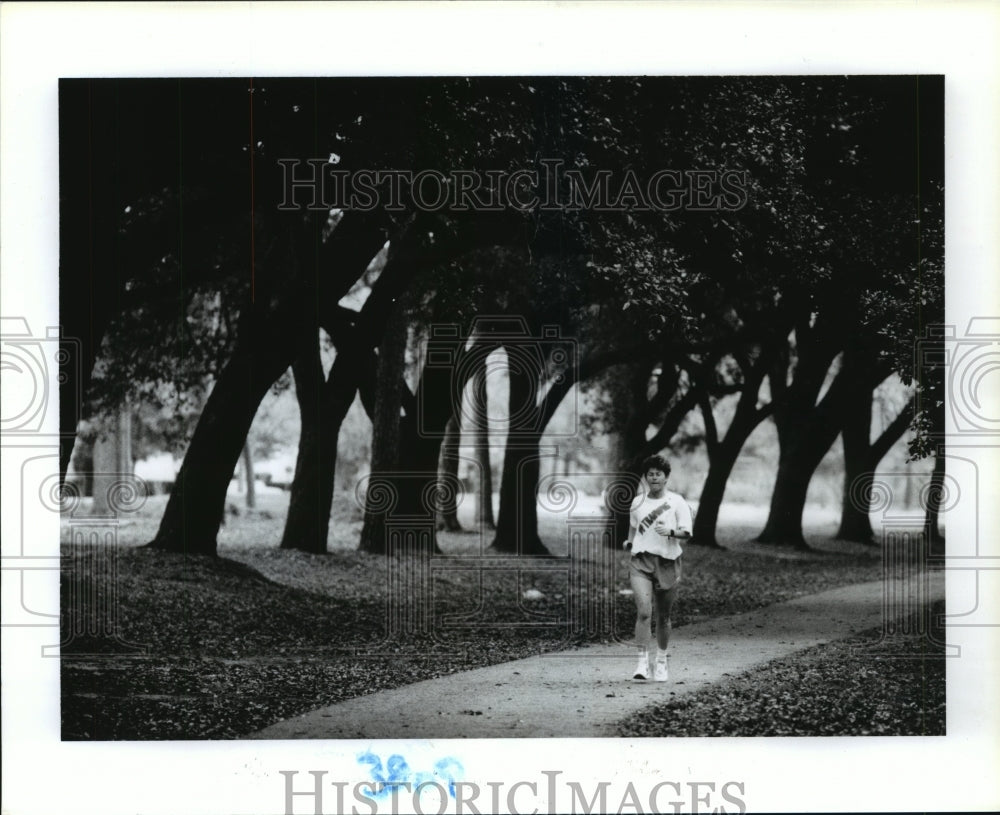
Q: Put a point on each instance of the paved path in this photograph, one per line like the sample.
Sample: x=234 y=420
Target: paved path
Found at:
x=585 y=692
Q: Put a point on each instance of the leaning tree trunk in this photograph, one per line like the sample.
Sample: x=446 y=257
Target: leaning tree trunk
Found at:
x=720 y=468
x=632 y=465
x=706 y=521
x=517 y=527
x=270 y=332
x=307 y=524
x=325 y=404
x=194 y=512
x=722 y=454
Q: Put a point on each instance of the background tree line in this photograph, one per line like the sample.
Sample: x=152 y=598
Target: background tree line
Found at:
x=188 y=284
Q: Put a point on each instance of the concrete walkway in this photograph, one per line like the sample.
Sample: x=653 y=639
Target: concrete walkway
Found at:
x=585 y=692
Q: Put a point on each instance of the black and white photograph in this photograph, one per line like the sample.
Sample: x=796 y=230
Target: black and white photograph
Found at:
x=392 y=387
x=389 y=425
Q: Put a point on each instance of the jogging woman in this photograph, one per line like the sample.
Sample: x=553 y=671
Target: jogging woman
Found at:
x=658 y=520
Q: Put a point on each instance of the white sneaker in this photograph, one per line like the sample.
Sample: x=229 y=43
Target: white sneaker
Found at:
x=642 y=667
x=660 y=673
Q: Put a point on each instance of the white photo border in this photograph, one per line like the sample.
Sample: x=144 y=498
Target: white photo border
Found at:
x=42 y=42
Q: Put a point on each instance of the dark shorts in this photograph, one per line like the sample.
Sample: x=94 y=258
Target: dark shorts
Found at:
x=662 y=573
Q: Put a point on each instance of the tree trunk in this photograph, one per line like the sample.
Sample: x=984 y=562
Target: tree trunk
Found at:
x=307 y=525
x=517 y=528
x=326 y=403
x=125 y=457
x=855 y=523
x=784 y=520
x=861 y=458
x=720 y=467
x=801 y=452
x=805 y=429
x=386 y=431
x=855 y=518
x=800 y=456
x=934 y=494
x=631 y=442
x=191 y=520
x=429 y=434
x=517 y=525
x=722 y=455
x=449 y=470
x=269 y=331
x=707 y=519
x=249 y=474
x=481 y=441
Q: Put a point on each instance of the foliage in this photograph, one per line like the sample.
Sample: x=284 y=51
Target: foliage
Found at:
x=261 y=634
x=860 y=686
x=823 y=237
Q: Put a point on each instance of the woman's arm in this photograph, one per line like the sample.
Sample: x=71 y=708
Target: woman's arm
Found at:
x=631 y=537
x=684 y=521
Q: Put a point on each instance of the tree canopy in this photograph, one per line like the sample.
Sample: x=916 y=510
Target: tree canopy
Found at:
x=721 y=231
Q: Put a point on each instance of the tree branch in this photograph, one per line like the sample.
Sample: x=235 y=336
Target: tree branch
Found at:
x=681 y=408
x=892 y=433
x=711 y=429
x=594 y=363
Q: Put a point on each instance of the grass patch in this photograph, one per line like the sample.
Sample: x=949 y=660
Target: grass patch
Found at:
x=861 y=686
x=235 y=643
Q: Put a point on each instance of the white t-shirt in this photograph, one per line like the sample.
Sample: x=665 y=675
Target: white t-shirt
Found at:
x=668 y=512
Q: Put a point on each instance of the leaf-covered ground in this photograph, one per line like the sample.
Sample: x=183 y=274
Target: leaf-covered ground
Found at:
x=234 y=643
x=866 y=685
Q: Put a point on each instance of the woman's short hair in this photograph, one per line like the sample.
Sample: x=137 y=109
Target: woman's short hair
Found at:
x=656 y=463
